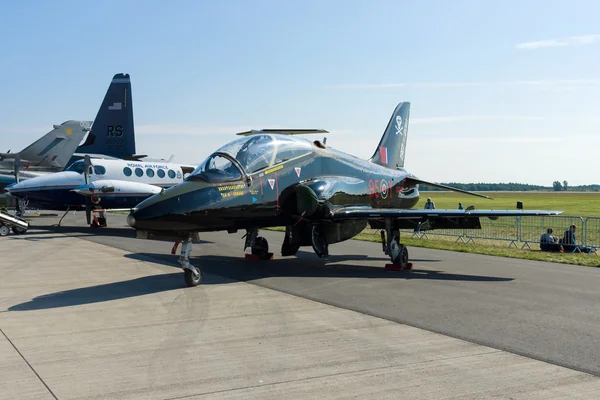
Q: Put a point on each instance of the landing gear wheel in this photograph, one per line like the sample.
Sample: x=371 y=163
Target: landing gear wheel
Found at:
x=319 y=244
x=191 y=279
x=399 y=253
x=4 y=230
x=260 y=248
x=18 y=231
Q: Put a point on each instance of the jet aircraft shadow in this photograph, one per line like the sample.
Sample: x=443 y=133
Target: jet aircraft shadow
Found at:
x=110 y=291
x=239 y=269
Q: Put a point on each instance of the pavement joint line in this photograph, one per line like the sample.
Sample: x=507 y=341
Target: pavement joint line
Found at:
x=492 y=351
x=29 y=365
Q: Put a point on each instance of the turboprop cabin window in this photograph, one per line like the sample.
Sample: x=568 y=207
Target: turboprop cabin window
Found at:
x=150 y=172
x=171 y=174
x=139 y=172
x=99 y=170
x=127 y=171
x=161 y=173
x=217 y=168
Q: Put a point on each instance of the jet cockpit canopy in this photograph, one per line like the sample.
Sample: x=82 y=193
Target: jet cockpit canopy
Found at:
x=253 y=154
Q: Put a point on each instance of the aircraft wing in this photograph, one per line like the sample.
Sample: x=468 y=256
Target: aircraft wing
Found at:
x=373 y=213
x=282 y=131
x=95 y=156
x=425 y=220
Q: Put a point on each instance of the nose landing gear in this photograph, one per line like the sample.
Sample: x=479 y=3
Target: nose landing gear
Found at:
x=192 y=274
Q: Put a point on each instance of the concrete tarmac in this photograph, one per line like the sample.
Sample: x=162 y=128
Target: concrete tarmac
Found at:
x=84 y=320
x=547 y=311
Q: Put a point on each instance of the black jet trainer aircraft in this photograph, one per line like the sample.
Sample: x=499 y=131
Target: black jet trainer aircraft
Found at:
x=321 y=195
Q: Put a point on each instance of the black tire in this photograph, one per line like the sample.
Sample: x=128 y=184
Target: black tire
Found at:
x=261 y=247
x=402 y=258
x=192 y=280
x=4 y=230
x=18 y=231
x=319 y=244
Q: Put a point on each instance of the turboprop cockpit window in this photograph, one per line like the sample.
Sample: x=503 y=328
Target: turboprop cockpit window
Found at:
x=217 y=168
x=258 y=152
x=78 y=167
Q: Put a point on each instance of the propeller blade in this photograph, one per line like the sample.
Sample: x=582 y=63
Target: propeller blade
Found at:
x=17 y=166
x=87 y=163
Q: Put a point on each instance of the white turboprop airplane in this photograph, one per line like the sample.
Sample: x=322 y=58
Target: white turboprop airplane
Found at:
x=100 y=184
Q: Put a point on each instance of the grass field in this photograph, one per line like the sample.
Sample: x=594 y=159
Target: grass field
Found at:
x=583 y=204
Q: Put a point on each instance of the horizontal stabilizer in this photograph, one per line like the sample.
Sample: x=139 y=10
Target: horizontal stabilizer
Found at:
x=282 y=132
x=412 y=180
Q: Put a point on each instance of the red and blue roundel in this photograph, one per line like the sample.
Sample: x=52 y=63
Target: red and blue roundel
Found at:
x=384 y=189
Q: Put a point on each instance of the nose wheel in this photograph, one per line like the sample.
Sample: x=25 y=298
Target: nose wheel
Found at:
x=192 y=274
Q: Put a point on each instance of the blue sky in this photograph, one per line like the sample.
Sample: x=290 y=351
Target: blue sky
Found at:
x=500 y=91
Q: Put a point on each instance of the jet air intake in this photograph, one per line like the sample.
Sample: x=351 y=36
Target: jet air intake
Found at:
x=307 y=201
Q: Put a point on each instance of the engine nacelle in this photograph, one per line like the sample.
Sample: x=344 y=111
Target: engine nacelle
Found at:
x=117 y=187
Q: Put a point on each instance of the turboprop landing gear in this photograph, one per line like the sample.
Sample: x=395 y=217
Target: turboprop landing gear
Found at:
x=99 y=221
x=193 y=275
x=398 y=252
x=259 y=247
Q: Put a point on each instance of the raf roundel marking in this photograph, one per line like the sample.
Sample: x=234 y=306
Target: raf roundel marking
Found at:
x=384 y=189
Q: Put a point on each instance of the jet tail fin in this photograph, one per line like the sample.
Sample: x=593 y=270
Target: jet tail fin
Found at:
x=392 y=146
x=55 y=148
x=113 y=133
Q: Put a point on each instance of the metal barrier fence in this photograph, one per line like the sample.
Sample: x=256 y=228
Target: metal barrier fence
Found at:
x=592 y=232
x=522 y=231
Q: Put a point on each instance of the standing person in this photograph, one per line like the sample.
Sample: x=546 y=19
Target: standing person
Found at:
x=460 y=207
x=429 y=205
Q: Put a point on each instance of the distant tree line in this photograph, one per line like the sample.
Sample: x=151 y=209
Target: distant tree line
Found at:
x=513 y=187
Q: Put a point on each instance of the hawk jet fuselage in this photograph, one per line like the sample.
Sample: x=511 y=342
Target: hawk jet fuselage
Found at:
x=321 y=195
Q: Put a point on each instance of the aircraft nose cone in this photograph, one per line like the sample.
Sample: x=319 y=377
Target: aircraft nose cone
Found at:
x=131 y=220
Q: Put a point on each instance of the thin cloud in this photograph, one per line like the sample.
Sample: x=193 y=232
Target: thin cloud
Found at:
x=436 y=85
x=567 y=41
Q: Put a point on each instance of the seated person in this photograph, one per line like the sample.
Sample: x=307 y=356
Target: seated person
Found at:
x=549 y=242
x=569 y=243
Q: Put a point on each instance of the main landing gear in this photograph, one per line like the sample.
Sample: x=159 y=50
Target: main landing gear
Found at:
x=259 y=247
x=319 y=243
x=392 y=247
